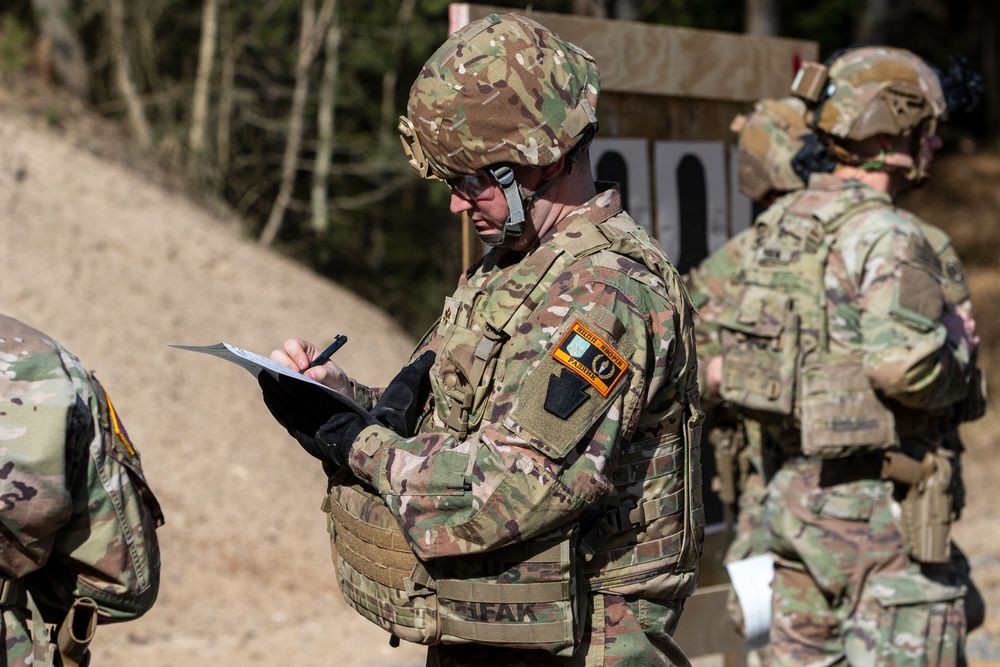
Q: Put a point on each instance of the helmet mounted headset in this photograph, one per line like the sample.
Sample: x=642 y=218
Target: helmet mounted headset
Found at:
x=863 y=92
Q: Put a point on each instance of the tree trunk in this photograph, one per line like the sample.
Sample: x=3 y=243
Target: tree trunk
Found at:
x=325 y=122
x=60 y=49
x=138 y=124
x=761 y=17
x=387 y=128
x=593 y=8
x=227 y=85
x=231 y=47
x=202 y=87
x=313 y=29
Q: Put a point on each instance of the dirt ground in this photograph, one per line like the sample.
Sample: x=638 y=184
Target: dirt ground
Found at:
x=109 y=258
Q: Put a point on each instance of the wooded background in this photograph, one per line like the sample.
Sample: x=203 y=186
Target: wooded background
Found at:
x=286 y=109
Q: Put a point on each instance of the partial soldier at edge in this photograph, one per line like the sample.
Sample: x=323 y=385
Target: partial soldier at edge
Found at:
x=79 y=544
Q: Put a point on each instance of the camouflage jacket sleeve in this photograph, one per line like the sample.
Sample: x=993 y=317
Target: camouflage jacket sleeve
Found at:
x=709 y=284
x=79 y=519
x=525 y=472
x=882 y=263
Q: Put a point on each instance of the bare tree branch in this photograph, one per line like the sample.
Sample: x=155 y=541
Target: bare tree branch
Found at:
x=233 y=47
x=313 y=29
x=203 y=79
x=404 y=17
x=325 y=122
x=137 y=121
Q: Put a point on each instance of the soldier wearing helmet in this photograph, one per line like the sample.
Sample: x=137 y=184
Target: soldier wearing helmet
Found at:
x=768 y=139
x=838 y=340
x=527 y=489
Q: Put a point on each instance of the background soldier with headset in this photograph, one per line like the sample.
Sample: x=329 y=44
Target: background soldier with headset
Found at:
x=767 y=139
x=840 y=342
x=549 y=488
x=78 y=543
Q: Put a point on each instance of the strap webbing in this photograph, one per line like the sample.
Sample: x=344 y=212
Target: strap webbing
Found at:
x=506 y=633
x=471 y=591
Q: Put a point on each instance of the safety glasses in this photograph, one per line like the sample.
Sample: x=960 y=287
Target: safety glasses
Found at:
x=471 y=186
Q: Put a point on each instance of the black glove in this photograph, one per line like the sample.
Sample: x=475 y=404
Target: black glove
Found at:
x=326 y=427
x=313 y=417
x=404 y=398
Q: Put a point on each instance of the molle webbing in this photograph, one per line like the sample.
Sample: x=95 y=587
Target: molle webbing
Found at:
x=777 y=321
x=377 y=550
x=12 y=593
x=522 y=596
x=519 y=596
x=375 y=567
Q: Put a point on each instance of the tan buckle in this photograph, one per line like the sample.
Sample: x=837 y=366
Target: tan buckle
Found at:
x=411 y=146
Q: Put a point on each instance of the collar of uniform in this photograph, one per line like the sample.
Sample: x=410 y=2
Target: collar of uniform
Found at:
x=605 y=204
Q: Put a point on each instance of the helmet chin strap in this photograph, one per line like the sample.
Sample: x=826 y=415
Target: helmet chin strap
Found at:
x=518 y=203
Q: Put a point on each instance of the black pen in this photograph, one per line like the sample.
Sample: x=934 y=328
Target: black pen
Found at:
x=325 y=355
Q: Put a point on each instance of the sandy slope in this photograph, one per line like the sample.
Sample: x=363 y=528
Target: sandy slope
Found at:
x=118 y=267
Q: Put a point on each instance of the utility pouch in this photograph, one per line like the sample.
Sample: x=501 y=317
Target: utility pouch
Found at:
x=375 y=565
x=927 y=510
x=727 y=440
x=841 y=413
x=526 y=596
x=76 y=633
x=760 y=349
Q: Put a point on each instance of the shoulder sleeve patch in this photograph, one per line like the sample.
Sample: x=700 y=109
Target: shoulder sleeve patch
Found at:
x=120 y=433
x=591 y=357
x=573 y=385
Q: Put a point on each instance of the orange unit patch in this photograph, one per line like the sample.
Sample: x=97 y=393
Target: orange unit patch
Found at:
x=591 y=357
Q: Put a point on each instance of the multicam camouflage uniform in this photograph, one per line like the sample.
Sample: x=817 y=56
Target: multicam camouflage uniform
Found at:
x=848 y=583
x=79 y=520
x=768 y=138
x=844 y=581
x=548 y=451
x=564 y=406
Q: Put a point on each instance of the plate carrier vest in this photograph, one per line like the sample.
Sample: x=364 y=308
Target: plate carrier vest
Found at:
x=534 y=594
x=777 y=364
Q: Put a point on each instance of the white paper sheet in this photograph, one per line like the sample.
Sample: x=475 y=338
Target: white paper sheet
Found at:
x=751 y=579
x=256 y=363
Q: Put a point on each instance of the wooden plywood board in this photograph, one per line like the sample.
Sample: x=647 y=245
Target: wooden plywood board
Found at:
x=677 y=62
x=704 y=628
x=666 y=118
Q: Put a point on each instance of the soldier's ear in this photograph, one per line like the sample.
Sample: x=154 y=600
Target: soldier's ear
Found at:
x=553 y=169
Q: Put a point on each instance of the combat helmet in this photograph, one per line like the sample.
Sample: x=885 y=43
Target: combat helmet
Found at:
x=768 y=138
x=502 y=91
x=866 y=91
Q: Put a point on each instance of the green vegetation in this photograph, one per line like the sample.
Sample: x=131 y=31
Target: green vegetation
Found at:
x=224 y=115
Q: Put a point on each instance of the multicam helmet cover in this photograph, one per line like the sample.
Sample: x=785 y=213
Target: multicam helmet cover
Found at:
x=502 y=90
x=878 y=90
x=768 y=138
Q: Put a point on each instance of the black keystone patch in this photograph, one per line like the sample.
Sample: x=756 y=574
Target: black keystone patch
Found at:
x=567 y=392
